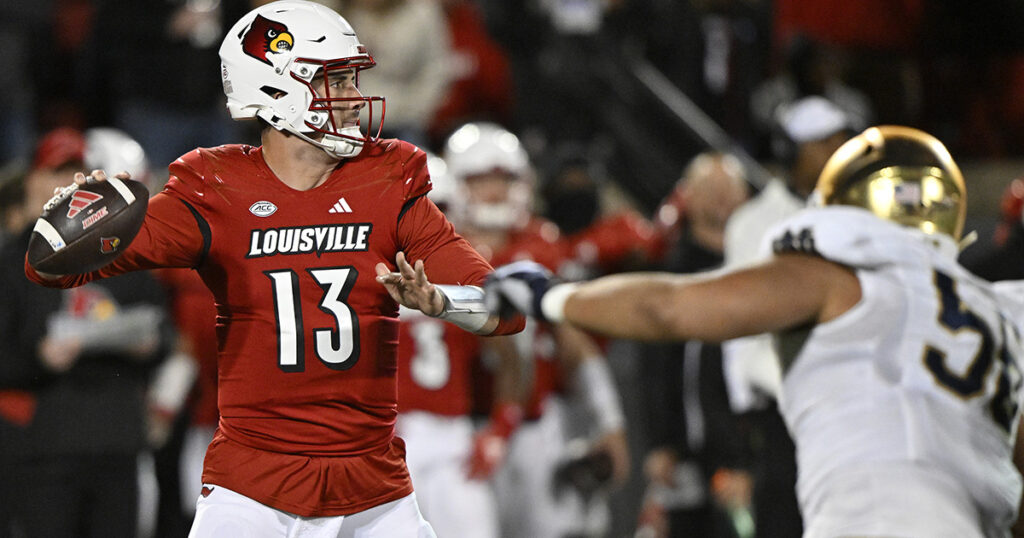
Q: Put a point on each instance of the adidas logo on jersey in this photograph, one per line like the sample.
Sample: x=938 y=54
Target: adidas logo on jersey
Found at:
x=341 y=206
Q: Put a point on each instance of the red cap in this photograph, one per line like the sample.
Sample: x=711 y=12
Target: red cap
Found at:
x=59 y=147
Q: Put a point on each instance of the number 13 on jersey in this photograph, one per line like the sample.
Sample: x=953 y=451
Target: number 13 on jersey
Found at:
x=337 y=347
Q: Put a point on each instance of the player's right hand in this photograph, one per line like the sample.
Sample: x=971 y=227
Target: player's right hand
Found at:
x=518 y=286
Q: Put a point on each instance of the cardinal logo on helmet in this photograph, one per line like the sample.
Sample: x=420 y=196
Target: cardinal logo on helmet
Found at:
x=265 y=36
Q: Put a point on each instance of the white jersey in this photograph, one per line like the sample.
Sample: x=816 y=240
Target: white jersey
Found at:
x=920 y=378
x=750 y=362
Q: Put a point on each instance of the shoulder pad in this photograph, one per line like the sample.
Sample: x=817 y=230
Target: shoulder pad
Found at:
x=847 y=235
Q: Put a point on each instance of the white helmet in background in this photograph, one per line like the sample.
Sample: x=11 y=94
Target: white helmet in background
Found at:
x=442 y=190
x=269 y=59
x=114 y=151
x=478 y=149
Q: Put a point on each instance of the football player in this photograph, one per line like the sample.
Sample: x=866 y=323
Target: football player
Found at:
x=309 y=243
x=437 y=366
x=493 y=171
x=902 y=371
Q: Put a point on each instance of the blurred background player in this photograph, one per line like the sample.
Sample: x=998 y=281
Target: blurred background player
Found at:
x=811 y=129
x=437 y=362
x=75 y=370
x=182 y=397
x=494 y=175
x=697 y=460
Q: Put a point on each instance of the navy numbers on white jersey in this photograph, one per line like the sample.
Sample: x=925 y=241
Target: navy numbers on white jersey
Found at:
x=958 y=319
x=337 y=347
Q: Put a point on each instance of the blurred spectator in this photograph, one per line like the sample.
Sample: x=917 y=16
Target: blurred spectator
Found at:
x=410 y=42
x=874 y=44
x=481 y=88
x=810 y=69
x=72 y=381
x=601 y=230
x=812 y=128
x=153 y=69
x=691 y=431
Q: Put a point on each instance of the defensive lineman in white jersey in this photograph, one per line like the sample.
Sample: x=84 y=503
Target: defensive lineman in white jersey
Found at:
x=902 y=383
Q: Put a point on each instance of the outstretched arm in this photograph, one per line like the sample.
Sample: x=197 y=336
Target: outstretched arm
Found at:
x=788 y=291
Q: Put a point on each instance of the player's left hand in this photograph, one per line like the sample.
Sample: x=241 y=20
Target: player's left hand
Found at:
x=410 y=287
x=518 y=286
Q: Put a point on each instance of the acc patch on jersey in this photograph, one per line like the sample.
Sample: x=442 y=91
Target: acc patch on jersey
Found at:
x=84 y=228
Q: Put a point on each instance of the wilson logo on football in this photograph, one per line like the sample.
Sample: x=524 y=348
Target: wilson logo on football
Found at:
x=109 y=244
x=81 y=200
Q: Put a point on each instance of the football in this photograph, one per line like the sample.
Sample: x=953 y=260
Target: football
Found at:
x=84 y=228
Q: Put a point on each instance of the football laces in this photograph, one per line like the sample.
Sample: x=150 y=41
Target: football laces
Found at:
x=61 y=195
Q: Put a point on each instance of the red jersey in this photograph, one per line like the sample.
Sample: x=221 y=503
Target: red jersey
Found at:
x=538 y=241
x=614 y=243
x=435 y=365
x=307 y=338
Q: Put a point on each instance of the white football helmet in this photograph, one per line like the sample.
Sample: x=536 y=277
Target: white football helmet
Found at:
x=477 y=149
x=269 y=59
x=114 y=151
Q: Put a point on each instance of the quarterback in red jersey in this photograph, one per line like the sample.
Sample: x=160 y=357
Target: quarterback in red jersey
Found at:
x=494 y=174
x=303 y=242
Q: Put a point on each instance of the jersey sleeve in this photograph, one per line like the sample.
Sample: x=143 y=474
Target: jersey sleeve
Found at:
x=172 y=234
x=425 y=234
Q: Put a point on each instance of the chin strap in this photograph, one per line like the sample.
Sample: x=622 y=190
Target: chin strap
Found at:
x=341 y=148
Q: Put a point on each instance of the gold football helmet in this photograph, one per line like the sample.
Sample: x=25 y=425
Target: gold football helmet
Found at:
x=900 y=174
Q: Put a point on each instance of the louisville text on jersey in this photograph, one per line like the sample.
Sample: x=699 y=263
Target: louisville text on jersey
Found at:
x=352 y=237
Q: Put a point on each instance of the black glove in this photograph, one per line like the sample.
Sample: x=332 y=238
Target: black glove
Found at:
x=518 y=287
